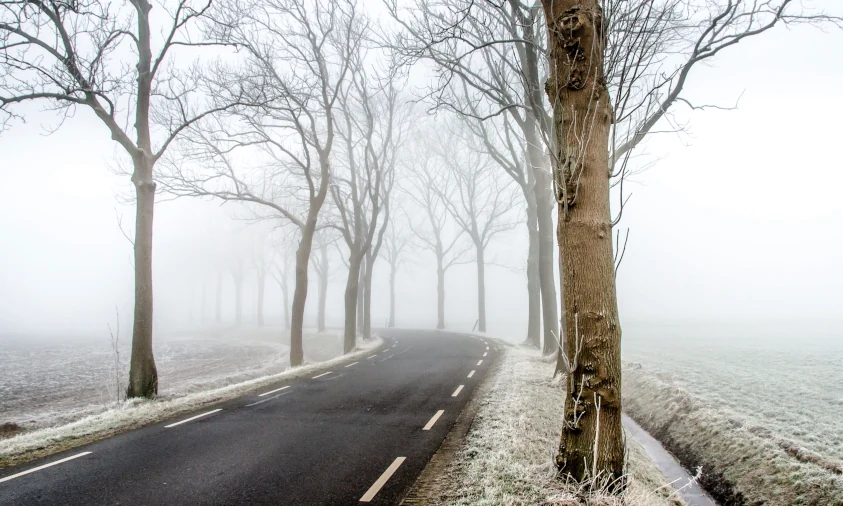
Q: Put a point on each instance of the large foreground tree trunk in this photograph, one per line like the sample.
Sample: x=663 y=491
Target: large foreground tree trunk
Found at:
x=592 y=437
x=143 y=375
x=351 y=292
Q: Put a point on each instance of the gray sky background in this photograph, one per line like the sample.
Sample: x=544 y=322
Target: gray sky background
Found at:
x=738 y=220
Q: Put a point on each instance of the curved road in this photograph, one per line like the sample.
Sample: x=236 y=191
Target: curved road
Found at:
x=359 y=434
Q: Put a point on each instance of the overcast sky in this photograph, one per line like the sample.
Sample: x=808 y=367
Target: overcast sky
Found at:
x=738 y=219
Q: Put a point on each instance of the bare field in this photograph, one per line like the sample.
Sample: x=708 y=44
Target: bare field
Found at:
x=49 y=380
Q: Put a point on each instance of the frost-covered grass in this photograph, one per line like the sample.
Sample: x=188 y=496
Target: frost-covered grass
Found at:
x=742 y=464
x=135 y=413
x=507 y=457
x=786 y=378
x=49 y=381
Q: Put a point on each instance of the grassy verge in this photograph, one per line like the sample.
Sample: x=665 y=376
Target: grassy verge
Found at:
x=506 y=456
x=136 y=413
x=742 y=464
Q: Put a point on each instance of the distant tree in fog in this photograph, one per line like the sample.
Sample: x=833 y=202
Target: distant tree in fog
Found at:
x=397 y=239
x=321 y=263
x=99 y=55
x=281 y=269
x=478 y=199
x=295 y=60
x=435 y=230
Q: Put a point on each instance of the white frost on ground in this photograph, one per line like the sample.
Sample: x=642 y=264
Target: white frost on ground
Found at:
x=508 y=454
x=135 y=413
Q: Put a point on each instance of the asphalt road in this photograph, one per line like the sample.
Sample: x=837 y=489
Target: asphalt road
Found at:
x=327 y=440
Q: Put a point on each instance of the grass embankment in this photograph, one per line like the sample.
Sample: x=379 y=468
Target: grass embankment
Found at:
x=507 y=456
x=742 y=464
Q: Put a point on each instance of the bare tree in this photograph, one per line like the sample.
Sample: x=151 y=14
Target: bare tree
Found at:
x=281 y=270
x=488 y=56
x=101 y=56
x=479 y=202
x=297 y=55
x=321 y=264
x=436 y=230
x=609 y=87
x=371 y=132
x=396 y=242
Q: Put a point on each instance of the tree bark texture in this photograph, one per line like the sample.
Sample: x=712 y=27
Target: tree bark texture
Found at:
x=592 y=436
x=352 y=286
x=361 y=283
x=533 y=281
x=143 y=375
x=367 y=297
x=300 y=290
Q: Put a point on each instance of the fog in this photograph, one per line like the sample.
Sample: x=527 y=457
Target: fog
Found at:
x=735 y=218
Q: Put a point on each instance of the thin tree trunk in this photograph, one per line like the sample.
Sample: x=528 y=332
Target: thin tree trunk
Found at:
x=391 y=322
x=219 y=297
x=285 y=291
x=300 y=292
x=238 y=299
x=544 y=207
x=367 y=297
x=440 y=294
x=481 y=289
x=533 y=282
x=261 y=290
x=361 y=283
x=143 y=375
x=592 y=437
x=351 y=292
x=323 y=287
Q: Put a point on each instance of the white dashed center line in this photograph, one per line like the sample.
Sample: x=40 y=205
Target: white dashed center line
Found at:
x=479 y=362
x=470 y=374
x=193 y=418
x=376 y=486
x=487 y=348
x=486 y=353
x=45 y=466
x=273 y=391
x=433 y=420
x=320 y=375
x=353 y=363
x=457 y=391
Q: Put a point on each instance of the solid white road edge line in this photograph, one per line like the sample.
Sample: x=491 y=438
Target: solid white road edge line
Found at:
x=457 y=391
x=376 y=486
x=479 y=362
x=470 y=374
x=320 y=375
x=193 y=418
x=273 y=391
x=353 y=363
x=51 y=464
x=433 y=420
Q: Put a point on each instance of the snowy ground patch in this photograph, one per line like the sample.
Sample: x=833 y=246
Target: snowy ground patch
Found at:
x=508 y=454
x=135 y=413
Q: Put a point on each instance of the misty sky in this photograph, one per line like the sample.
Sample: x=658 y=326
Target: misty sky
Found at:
x=739 y=218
